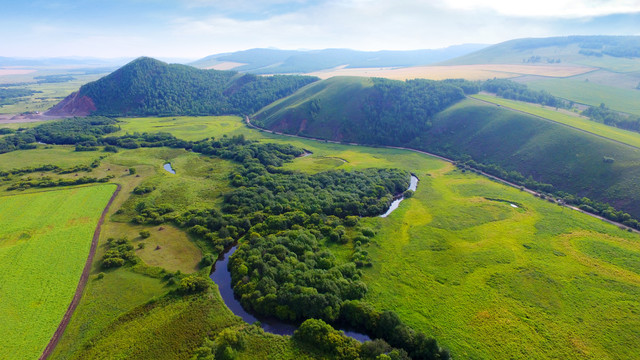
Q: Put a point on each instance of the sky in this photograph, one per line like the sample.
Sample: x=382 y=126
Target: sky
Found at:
x=192 y=29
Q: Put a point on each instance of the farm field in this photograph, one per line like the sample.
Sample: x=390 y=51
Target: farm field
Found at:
x=590 y=93
x=44 y=243
x=469 y=72
x=573 y=120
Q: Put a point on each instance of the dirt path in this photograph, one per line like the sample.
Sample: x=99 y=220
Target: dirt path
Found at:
x=83 y=281
x=532 y=192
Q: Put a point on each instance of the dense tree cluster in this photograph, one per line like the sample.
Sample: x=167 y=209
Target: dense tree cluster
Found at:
x=10 y=96
x=150 y=87
x=47 y=181
x=603 y=114
x=512 y=90
x=398 y=110
x=290 y=276
x=119 y=252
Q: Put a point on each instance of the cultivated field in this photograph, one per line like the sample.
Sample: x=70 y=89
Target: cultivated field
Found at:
x=469 y=72
x=566 y=118
x=44 y=244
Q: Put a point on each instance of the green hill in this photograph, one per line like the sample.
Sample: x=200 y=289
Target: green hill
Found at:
x=147 y=86
x=569 y=159
x=363 y=110
x=618 y=53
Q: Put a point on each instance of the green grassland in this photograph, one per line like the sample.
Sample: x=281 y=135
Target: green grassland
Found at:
x=44 y=243
x=63 y=156
x=184 y=127
x=591 y=93
x=569 y=119
x=491 y=281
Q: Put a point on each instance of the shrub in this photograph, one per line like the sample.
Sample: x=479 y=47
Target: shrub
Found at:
x=145 y=234
x=193 y=284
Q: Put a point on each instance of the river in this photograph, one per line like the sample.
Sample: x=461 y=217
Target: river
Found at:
x=222 y=277
x=394 y=205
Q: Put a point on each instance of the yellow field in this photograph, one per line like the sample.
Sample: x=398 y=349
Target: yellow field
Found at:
x=226 y=65
x=15 y=71
x=470 y=72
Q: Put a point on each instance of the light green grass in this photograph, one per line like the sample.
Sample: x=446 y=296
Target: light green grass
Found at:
x=491 y=281
x=63 y=156
x=590 y=93
x=184 y=127
x=575 y=121
x=44 y=243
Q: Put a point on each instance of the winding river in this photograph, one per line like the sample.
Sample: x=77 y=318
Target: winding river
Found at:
x=222 y=277
x=394 y=205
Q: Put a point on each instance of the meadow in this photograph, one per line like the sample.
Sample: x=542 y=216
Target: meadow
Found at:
x=44 y=243
x=565 y=118
x=487 y=279
x=591 y=93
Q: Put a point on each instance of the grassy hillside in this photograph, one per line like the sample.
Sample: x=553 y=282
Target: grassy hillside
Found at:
x=45 y=240
x=567 y=118
x=616 y=53
x=363 y=110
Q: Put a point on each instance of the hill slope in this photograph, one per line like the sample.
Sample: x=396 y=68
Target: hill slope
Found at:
x=363 y=110
x=147 y=86
x=549 y=152
x=598 y=51
x=272 y=61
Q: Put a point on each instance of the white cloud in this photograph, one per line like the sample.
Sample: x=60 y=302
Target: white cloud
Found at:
x=548 y=8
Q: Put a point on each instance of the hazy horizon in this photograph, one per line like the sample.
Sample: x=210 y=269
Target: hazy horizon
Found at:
x=192 y=29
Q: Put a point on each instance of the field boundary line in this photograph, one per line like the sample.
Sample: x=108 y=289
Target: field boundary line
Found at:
x=81 y=284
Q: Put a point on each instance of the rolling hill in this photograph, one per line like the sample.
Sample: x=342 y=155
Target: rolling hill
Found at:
x=570 y=160
x=598 y=51
x=147 y=86
x=273 y=61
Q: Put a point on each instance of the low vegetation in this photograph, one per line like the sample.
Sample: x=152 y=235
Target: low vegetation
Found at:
x=45 y=243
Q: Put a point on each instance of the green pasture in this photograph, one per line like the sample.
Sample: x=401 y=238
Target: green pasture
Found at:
x=591 y=93
x=565 y=118
x=494 y=281
x=64 y=156
x=185 y=127
x=44 y=243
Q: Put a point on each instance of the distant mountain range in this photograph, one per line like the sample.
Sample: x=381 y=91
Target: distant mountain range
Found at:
x=272 y=61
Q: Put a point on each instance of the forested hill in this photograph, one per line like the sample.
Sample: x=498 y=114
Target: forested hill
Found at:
x=147 y=86
x=363 y=110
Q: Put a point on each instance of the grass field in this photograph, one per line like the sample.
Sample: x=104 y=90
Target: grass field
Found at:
x=584 y=92
x=491 y=281
x=63 y=156
x=44 y=243
x=184 y=127
x=573 y=120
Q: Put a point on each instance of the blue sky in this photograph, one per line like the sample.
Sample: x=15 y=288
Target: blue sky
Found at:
x=197 y=28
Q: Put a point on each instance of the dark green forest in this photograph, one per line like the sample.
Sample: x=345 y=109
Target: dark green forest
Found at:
x=150 y=87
